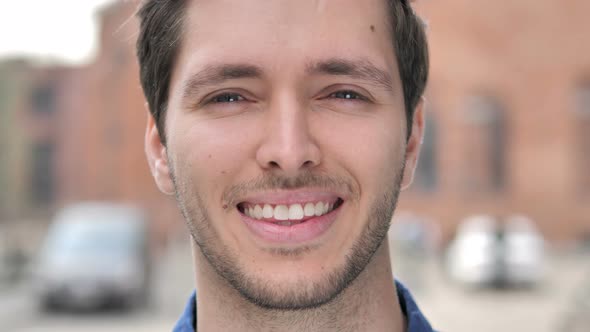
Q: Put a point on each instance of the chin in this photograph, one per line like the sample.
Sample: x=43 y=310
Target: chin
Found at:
x=297 y=287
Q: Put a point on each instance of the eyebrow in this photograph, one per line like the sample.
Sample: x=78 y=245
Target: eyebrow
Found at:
x=358 y=69
x=216 y=74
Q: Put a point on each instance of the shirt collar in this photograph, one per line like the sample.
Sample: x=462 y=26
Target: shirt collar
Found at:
x=416 y=320
x=187 y=321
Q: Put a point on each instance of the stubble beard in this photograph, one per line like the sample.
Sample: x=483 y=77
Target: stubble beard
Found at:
x=301 y=294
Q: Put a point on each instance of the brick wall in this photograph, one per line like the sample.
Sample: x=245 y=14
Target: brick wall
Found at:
x=530 y=55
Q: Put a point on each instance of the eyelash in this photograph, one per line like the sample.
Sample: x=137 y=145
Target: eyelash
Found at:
x=235 y=97
x=232 y=97
x=348 y=95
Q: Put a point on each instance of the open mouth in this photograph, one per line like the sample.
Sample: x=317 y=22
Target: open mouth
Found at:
x=288 y=214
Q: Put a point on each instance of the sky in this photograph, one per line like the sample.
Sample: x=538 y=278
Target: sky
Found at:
x=65 y=31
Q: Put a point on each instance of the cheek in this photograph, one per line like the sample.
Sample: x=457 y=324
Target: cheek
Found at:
x=371 y=149
x=210 y=153
x=377 y=165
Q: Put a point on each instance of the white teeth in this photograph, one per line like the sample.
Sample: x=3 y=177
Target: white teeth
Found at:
x=295 y=212
x=319 y=209
x=267 y=211
x=257 y=212
x=281 y=212
x=309 y=209
x=288 y=212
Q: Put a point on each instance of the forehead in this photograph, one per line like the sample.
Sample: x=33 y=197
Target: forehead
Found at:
x=276 y=33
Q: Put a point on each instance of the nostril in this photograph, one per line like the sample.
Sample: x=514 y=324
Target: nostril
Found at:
x=308 y=163
x=273 y=164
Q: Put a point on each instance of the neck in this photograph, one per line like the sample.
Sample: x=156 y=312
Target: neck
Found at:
x=370 y=303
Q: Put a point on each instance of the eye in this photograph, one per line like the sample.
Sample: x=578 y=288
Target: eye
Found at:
x=347 y=94
x=226 y=97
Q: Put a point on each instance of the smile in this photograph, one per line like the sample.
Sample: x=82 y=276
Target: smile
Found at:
x=290 y=218
x=287 y=215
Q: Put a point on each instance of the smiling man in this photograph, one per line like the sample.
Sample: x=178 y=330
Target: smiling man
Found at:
x=286 y=130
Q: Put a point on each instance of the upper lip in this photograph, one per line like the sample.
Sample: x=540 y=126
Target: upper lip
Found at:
x=287 y=197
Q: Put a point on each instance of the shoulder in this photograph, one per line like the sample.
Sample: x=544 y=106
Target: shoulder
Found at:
x=417 y=322
x=186 y=323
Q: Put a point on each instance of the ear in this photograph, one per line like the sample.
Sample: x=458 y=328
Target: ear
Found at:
x=413 y=145
x=158 y=158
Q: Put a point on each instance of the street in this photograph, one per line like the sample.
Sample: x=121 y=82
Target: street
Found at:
x=140 y=321
x=448 y=306
x=19 y=311
x=546 y=308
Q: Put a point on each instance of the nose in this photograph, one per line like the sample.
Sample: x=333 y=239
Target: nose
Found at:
x=288 y=145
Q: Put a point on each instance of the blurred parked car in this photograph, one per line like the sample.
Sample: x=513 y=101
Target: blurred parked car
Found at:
x=95 y=254
x=486 y=252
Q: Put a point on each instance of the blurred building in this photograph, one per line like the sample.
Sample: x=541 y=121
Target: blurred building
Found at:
x=30 y=97
x=13 y=83
x=74 y=134
x=509 y=114
x=508 y=123
x=101 y=137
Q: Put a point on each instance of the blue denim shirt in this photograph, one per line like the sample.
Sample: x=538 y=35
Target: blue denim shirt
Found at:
x=416 y=321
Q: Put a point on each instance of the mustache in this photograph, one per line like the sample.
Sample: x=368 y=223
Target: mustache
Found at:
x=270 y=181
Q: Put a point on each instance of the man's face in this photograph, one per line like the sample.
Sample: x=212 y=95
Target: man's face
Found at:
x=286 y=142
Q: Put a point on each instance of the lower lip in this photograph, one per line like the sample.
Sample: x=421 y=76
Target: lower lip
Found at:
x=303 y=232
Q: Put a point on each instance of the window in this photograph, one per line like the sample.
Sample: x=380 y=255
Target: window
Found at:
x=41 y=176
x=485 y=144
x=43 y=98
x=426 y=178
x=582 y=138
